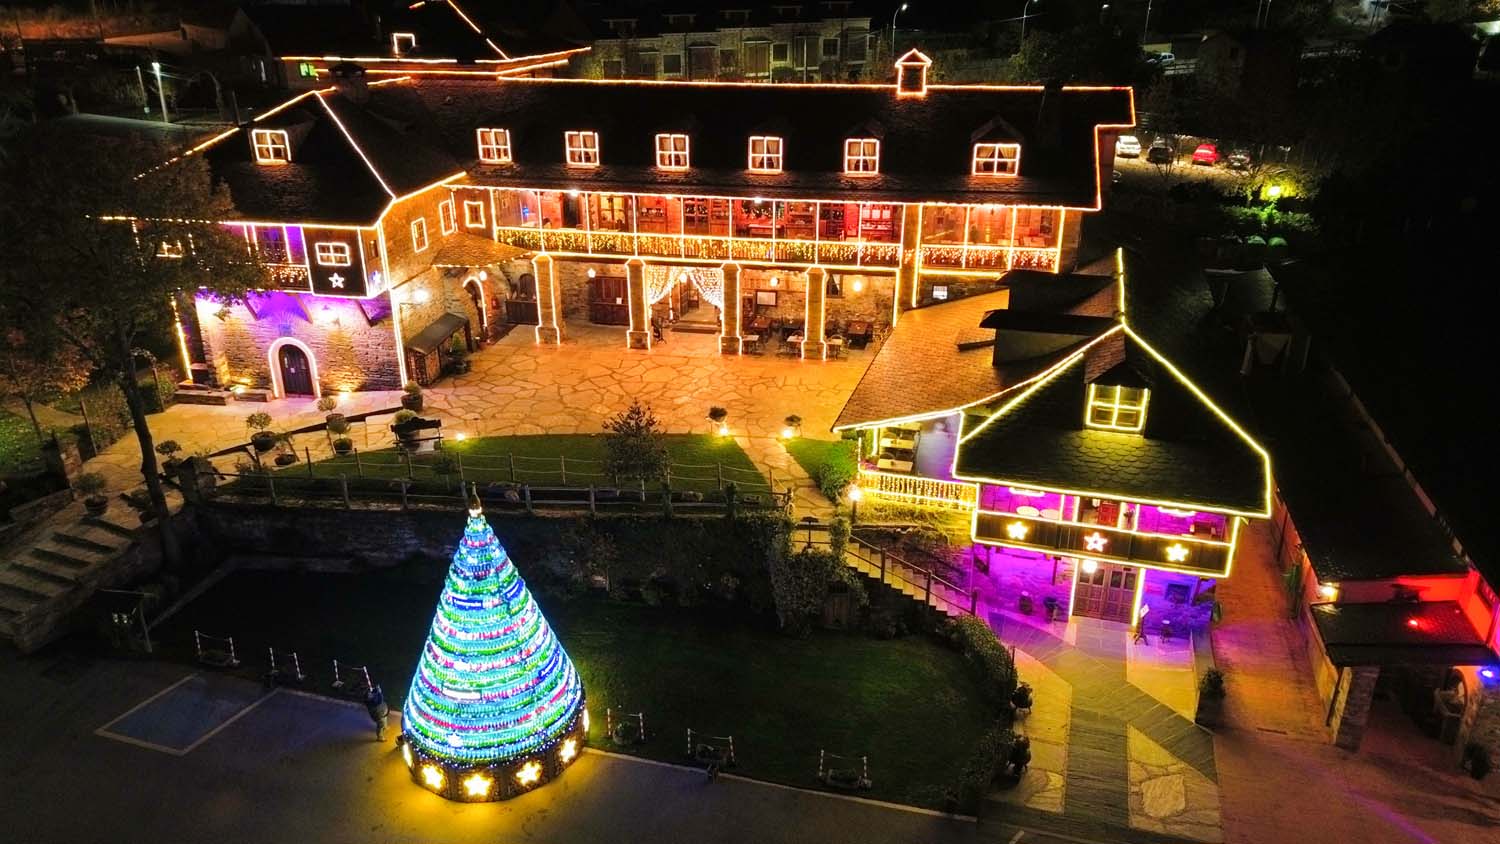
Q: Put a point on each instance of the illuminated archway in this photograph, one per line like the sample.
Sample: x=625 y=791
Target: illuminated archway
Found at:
x=481 y=302
x=278 y=389
x=709 y=281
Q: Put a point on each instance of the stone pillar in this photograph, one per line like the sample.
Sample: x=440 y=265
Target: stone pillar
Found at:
x=1352 y=709
x=909 y=270
x=639 y=335
x=548 y=329
x=730 y=317
x=1481 y=721
x=814 y=314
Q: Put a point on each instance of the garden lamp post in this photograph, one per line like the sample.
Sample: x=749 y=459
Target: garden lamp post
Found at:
x=1025 y=13
x=899 y=10
x=161 y=92
x=855 y=494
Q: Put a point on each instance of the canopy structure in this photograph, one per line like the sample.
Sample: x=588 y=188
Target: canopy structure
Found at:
x=496 y=707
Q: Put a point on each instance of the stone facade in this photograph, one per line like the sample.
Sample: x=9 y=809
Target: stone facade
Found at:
x=1481 y=720
x=1352 y=710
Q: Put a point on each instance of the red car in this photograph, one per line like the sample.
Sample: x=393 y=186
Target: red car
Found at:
x=1206 y=154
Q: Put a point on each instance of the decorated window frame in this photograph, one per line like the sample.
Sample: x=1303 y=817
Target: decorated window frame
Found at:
x=494 y=145
x=419 y=234
x=672 y=151
x=332 y=253
x=473 y=214
x=861 y=156
x=447 y=216
x=995 y=159
x=767 y=153
x=1115 y=408
x=582 y=148
x=410 y=38
x=270 y=146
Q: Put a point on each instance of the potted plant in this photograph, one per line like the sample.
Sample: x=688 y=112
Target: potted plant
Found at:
x=458 y=357
x=168 y=450
x=91 y=486
x=407 y=436
x=413 y=399
x=1211 y=699
x=327 y=403
x=793 y=427
x=263 y=440
x=1476 y=760
x=288 y=453
x=717 y=415
x=338 y=430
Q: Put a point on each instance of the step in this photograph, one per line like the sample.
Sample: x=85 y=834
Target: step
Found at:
x=14 y=604
x=72 y=558
x=46 y=570
x=696 y=327
x=104 y=523
x=88 y=538
x=22 y=585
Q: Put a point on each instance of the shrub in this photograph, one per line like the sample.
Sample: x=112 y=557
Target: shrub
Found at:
x=1212 y=684
x=412 y=388
x=167 y=448
x=979 y=770
x=337 y=424
x=258 y=421
x=718 y=414
x=404 y=416
x=990 y=659
x=800 y=583
x=837 y=471
x=327 y=403
x=633 y=446
x=445 y=464
x=89 y=483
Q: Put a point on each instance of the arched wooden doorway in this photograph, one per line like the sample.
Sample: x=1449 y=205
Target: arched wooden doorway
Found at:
x=293 y=370
x=475 y=288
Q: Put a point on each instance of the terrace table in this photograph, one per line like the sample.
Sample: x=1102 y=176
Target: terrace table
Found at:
x=1028 y=511
x=893 y=465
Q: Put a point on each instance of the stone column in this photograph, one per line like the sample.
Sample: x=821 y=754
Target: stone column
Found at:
x=909 y=270
x=548 y=329
x=1353 y=707
x=1481 y=722
x=639 y=335
x=816 y=310
x=730 y=317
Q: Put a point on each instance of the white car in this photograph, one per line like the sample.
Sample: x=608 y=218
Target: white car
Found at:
x=1128 y=146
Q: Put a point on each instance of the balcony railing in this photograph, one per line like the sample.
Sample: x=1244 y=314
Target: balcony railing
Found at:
x=915 y=489
x=843 y=253
x=1097 y=542
x=989 y=257
x=288 y=276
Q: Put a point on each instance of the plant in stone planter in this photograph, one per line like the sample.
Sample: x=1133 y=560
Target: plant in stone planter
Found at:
x=263 y=440
x=288 y=453
x=168 y=450
x=338 y=433
x=717 y=415
x=458 y=357
x=91 y=486
x=413 y=399
x=1211 y=693
x=793 y=427
x=406 y=436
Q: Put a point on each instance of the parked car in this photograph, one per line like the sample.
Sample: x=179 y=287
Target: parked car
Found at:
x=1206 y=154
x=1128 y=146
x=1238 y=160
x=1159 y=153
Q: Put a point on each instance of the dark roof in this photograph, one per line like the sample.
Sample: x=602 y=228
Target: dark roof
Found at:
x=302 y=30
x=1384 y=633
x=1083 y=326
x=925 y=147
x=1187 y=452
x=708 y=16
x=436 y=333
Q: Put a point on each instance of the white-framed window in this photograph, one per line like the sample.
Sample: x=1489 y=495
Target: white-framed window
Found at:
x=473 y=213
x=582 y=148
x=171 y=249
x=997 y=159
x=1117 y=408
x=419 y=234
x=861 y=156
x=766 y=153
x=332 y=254
x=494 y=146
x=447 y=217
x=402 y=42
x=672 y=152
x=270 y=146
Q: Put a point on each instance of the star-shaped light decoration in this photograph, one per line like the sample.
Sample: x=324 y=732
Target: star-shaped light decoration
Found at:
x=336 y=280
x=1017 y=530
x=478 y=785
x=529 y=773
x=432 y=776
x=1096 y=541
x=1177 y=552
x=568 y=750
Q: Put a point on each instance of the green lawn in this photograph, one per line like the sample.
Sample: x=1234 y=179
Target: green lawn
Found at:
x=542 y=460
x=17 y=441
x=909 y=704
x=811 y=454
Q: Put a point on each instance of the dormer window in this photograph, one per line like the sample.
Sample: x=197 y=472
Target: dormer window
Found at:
x=582 y=148
x=447 y=217
x=403 y=42
x=1116 y=408
x=672 y=152
x=419 y=234
x=171 y=249
x=332 y=254
x=270 y=146
x=473 y=214
x=997 y=159
x=494 y=146
x=765 y=154
x=861 y=156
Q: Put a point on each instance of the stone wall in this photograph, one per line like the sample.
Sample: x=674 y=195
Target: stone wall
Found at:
x=1352 y=710
x=444 y=293
x=348 y=352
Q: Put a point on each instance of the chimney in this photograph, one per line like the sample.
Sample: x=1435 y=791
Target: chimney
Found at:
x=1049 y=116
x=911 y=74
x=349 y=79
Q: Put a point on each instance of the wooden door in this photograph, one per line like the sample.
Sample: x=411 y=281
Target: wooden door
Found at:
x=296 y=372
x=607 y=302
x=1108 y=592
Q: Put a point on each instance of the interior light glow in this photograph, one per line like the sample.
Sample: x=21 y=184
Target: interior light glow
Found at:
x=1089 y=566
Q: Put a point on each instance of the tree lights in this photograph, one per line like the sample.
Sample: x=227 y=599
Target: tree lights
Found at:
x=496 y=706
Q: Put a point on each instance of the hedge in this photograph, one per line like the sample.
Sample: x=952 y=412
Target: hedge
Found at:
x=991 y=660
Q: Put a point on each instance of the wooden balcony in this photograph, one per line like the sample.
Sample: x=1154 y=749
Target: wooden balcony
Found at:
x=917 y=490
x=1074 y=539
x=989 y=258
x=616 y=244
x=288 y=276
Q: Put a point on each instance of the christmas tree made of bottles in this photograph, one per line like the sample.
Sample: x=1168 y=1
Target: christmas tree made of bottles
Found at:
x=496 y=707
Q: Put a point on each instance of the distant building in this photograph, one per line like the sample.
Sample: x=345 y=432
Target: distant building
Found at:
x=737 y=40
x=1261 y=62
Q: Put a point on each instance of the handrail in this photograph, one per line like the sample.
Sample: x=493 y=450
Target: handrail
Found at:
x=888 y=564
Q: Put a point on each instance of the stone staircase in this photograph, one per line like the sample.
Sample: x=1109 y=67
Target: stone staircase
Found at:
x=910 y=580
x=43 y=580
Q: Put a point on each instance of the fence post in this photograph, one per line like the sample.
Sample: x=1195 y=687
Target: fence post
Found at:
x=643 y=490
x=526 y=493
x=407 y=454
x=512 y=459
x=973 y=602
x=666 y=500
x=719 y=472
x=593 y=506
x=562 y=461
x=771 y=477
x=459 y=457
x=359 y=468
x=307 y=455
x=403 y=495
x=344 y=486
x=88 y=427
x=927 y=599
x=669 y=474
x=271 y=485
x=882 y=566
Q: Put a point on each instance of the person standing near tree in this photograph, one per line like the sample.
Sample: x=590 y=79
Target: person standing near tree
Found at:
x=379 y=712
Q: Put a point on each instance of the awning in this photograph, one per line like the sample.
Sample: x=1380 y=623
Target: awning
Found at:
x=1392 y=633
x=435 y=335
